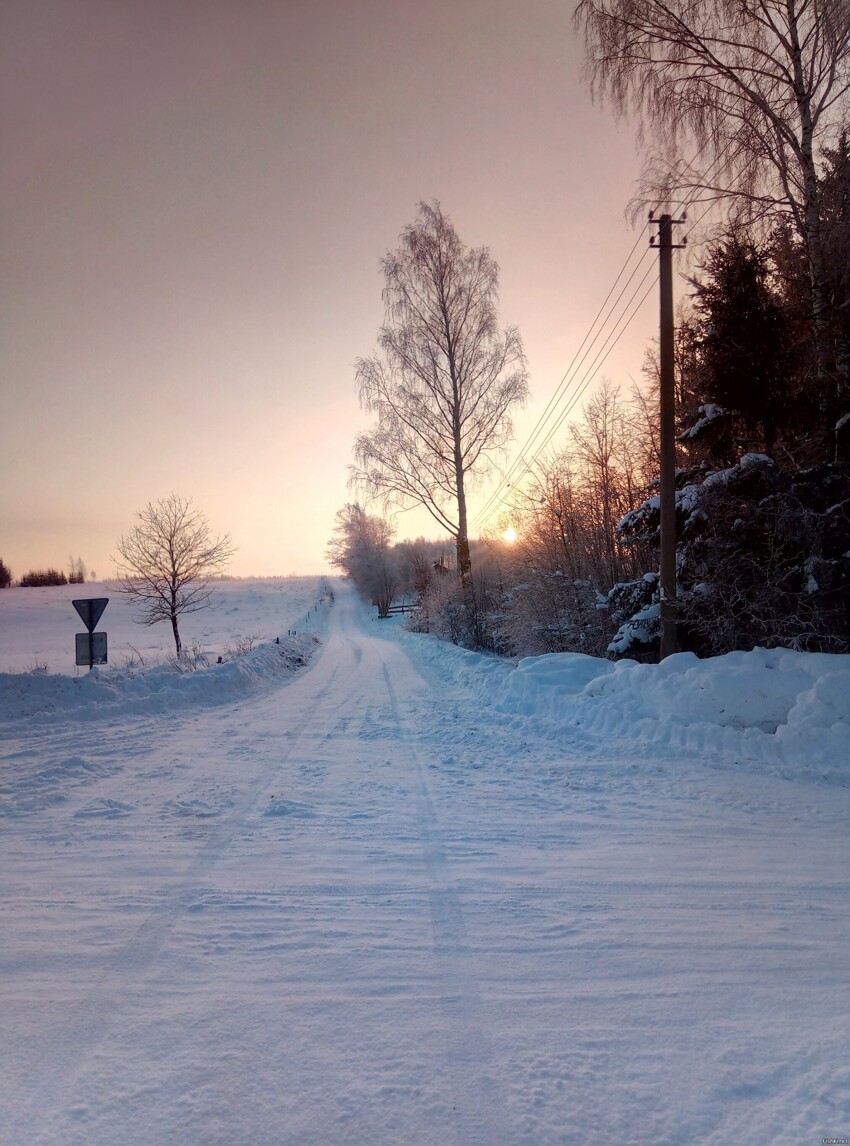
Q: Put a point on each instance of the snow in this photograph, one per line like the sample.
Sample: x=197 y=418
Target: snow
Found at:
x=107 y=694
x=772 y=711
x=366 y=887
x=640 y=629
x=37 y=626
x=746 y=462
x=708 y=414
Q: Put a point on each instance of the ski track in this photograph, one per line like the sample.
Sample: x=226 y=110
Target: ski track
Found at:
x=355 y=909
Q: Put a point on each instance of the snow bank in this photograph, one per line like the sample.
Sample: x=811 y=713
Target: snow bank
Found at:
x=41 y=697
x=788 y=710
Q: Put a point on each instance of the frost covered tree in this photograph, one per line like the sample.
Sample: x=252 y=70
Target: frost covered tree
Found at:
x=167 y=560
x=444 y=380
x=605 y=452
x=361 y=547
x=568 y=553
x=418 y=562
x=762 y=558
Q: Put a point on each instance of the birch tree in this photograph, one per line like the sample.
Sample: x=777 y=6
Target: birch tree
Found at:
x=444 y=379
x=361 y=547
x=761 y=86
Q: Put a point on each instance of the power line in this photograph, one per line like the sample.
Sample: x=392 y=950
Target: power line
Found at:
x=566 y=379
x=497 y=498
x=592 y=370
x=583 y=385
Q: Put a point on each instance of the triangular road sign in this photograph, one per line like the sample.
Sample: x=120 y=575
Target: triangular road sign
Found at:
x=91 y=610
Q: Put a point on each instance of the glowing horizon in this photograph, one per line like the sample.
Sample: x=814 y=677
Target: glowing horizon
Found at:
x=197 y=201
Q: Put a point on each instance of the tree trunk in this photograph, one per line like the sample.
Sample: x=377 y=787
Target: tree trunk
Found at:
x=177 y=643
x=464 y=561
x=464 y=564
x=811 y=204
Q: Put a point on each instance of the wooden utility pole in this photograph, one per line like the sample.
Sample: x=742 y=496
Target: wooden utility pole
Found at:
x=667 y=578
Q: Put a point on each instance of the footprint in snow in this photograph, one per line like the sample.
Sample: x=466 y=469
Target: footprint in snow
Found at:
x=109 y=809
x=278 y=807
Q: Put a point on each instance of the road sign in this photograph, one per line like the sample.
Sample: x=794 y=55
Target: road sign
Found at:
x=91 y=648
x=91 y=610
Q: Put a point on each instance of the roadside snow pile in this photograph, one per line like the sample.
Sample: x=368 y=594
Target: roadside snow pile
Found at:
x=786 y=709
x=782 y=707
x=38 y=697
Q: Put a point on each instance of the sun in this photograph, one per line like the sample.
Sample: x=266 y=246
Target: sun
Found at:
x=509 y=535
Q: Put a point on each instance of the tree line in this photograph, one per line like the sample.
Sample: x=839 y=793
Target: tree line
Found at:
x=37 y=578
x=762 y=371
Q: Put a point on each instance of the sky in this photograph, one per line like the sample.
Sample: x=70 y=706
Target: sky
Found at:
x=196 y=197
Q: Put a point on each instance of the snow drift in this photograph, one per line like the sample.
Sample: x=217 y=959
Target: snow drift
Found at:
x=40 y=697
x=781 y=708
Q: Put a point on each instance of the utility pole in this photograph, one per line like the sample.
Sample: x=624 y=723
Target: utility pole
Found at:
x=667 y=578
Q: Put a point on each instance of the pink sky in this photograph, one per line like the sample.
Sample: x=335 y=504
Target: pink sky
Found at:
x=197 y=194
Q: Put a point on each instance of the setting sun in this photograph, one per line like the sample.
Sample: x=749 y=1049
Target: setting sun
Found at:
x=509 y=535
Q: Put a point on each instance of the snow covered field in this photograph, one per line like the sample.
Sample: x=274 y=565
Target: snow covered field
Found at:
x=37 y=626
x=381 y=890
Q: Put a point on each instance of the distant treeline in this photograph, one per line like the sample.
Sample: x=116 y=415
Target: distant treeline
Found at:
x=37 y=578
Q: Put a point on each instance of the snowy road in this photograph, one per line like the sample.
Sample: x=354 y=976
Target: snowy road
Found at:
x=358 y=909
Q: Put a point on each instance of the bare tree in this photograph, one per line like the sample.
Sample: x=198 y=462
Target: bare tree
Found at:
x=77 y=571
x=604 y=447
x=569 y=556
x=445 y=380
x=167 y=560
x=762 y=86
x=361 y=547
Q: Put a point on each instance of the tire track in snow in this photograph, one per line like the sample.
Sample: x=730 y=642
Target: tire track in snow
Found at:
x=478 y=1095
x=79 y=1036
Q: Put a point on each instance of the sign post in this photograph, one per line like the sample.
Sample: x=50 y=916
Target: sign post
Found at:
x=91 y=649
x=91 y=646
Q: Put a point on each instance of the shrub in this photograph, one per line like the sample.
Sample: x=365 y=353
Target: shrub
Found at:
x=36 y=578
x=77 y=571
